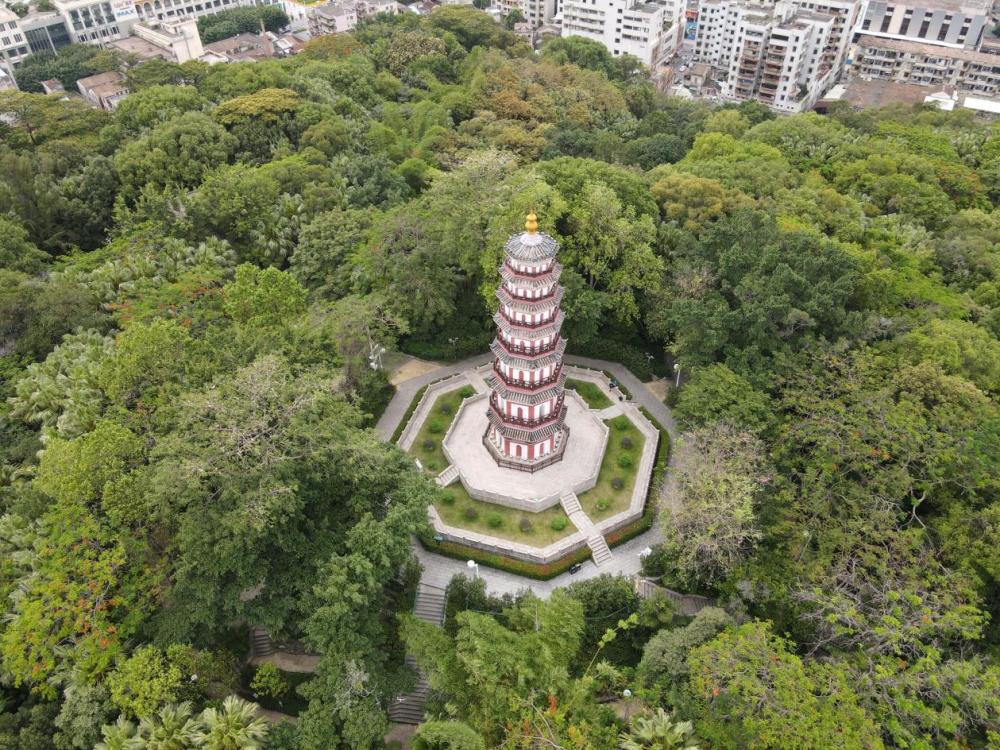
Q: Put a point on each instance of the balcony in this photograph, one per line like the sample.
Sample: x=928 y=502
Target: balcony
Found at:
x=524 y=323
x=559 y=412
x=527 y=384
x=527 y=274
x=528 y=351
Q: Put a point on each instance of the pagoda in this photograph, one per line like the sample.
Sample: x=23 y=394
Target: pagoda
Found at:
x=527 y=419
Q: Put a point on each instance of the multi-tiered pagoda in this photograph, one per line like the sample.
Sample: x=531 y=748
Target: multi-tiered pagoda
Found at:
x=527 y=428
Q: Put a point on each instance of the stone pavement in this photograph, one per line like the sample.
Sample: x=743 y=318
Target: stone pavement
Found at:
x=439 y=570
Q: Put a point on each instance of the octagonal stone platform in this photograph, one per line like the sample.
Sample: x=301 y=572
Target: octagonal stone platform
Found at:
x=485 y=480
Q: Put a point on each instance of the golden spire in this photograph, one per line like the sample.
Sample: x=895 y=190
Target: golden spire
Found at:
x=531 y=223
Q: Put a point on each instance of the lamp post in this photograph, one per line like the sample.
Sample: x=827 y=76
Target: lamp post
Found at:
x=474 y=567
x=677 y=369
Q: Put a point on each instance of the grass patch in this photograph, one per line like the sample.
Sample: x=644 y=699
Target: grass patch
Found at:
x=427 y=445
x=613 y=492
x=457 y=508
x=590 y=393
x=537 y=571
x=407 y=415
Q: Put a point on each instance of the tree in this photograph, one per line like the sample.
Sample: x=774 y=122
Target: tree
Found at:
x=143 y=682
x=179 y=152
x=263 y=297
x=17 y=252
x=235 y=726
x=717 y=394
x=748 y=688
x=665 y=655
x=172 y=727
x=692 y=202
x=447 y=735
x=268 y=681
x=710 y=526
x=118 y=736
x=151 y=106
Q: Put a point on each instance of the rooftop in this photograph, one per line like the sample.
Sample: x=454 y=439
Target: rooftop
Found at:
x=878 y=93
x=112 y=77
x=141 y=48
x=242 y=47
x=924 y=48
x=7 y=15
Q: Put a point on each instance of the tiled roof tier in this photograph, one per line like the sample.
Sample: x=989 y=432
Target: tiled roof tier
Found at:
x=529 y=334
x=529 y=305
x=531 y=246
x=527 y=362
x=526 y=398
x=531 y=282
x=522 y=434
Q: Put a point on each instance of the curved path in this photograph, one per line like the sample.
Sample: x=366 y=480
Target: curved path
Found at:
x=439 y=570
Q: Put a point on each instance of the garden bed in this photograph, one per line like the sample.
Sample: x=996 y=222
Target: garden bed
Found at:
x=589 y=392
x=427 y=444
x=461 y=511
x=613 y=492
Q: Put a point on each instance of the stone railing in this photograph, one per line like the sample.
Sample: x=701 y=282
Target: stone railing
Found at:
x=420 y=414
x=555 y=551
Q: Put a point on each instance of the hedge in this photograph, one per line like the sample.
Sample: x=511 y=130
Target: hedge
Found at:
x=407 y=415
x=537 y=571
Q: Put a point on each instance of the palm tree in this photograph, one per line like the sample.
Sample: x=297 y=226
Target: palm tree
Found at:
x=171 y=728
x=658 y=732
x=118 y=736
x=235 y=726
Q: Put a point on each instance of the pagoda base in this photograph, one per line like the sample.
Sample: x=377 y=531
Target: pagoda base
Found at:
x=530 y=465
x=485 y=479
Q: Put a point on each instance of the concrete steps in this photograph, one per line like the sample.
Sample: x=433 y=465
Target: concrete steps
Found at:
x=570 y=503
x=260 y=642
x=599 y=549
x=429 y=607
x=447 y=476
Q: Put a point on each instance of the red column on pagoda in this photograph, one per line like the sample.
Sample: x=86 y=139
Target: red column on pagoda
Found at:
x=527 y=428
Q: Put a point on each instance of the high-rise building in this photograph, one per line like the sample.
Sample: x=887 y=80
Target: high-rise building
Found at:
x=527 y=419
x=785 y=54
x=625 y=27
x=13 y=44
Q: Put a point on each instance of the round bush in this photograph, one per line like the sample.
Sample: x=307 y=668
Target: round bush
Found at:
x=447 y=498
x=626 y=442
x=618 y=483
x=625 y=461
x=445 y=408
x=428 y=445
x=494 y=520
x=467 y=391
x=434 y=427
x=558 y=523
x=471 y=514
x=524 y=525
x=603 y=504
x=621 y=424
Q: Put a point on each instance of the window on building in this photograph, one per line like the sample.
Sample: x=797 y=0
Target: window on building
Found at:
x=905 y=26
x=923 y=29
x=885 y=23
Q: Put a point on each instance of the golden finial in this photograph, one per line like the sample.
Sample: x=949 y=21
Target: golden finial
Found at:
x=531 y=223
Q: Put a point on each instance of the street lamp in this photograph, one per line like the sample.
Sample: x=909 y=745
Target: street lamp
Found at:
x=677 y=369
x=474 y=567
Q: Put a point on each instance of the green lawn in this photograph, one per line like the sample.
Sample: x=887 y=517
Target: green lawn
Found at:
x=427 y=445
x=455 y=502
x=604 y=500
x=590 y=393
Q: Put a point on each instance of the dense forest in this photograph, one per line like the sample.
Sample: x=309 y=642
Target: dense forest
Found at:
x=188 y=290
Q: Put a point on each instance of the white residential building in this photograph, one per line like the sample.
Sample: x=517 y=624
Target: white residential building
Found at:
x=625 y=27
x=13 y=44
x=344 y=15
x=785 y=55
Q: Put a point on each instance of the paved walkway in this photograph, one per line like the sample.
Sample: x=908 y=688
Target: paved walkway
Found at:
x=439 y=570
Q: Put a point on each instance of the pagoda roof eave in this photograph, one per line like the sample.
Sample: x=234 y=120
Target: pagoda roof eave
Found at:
x=529 y=363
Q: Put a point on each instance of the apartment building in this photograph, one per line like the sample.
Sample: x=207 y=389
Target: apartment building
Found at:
x=935 y=66
x=13 y=44
x=785 y=54
x=175 y=41
x=952 y=23
x=344 y=15
x=625 y=27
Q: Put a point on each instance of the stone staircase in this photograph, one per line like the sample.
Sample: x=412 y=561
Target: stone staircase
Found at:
x=599 y=549
x=447 y=476
x=260 y=642
x=429 y=607
x=571 y=504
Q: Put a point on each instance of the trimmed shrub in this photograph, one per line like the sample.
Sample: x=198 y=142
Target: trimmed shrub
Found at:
x=494 y=521
x=467 y=392
x=471 y=514
x=445 y=408
x=428 y=445
x=558 y=523
x=447 y=498
x=618 y=483
x=603 y=504
x=626 y=442
x=621 y=424
x=625 y=461
x=434 y=427
x=524 y=525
